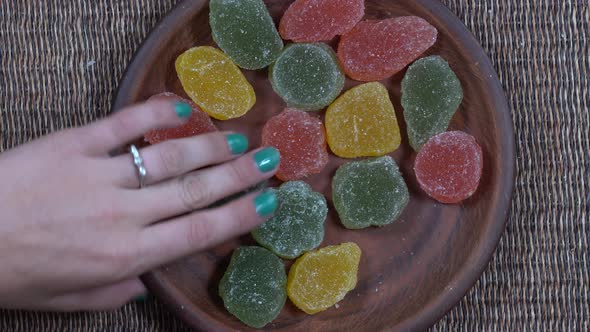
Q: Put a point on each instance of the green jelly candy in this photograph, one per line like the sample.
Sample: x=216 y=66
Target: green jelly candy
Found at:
x=370 y=192
x=307 y=76
x=298 y=223
x=253 y=287
x=245 y=31
x=431 y=94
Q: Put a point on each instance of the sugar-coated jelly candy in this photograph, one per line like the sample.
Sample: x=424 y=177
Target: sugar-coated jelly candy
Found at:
x=375 y=50
x=297 y=225
x=431 y=94
x=370 y=192
x=301 y=140
x=362 y=123
x=317 y=20
x=198 y=123
x=215 y=83
x=245 y=31
x=449 y=167
x=307 y=76
x=320 y=279
x=253 y=286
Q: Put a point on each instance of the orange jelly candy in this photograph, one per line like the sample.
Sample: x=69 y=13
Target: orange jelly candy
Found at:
x=301 y=139
x=317 y=20
x=449 y=167
x=319 y=279
x=198 y=123
x=375 y=50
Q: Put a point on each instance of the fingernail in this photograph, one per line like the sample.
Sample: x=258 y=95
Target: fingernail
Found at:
x=266 y=203
x=183 y=110
x=237 y=143
x=140 y=298
x=267 y=159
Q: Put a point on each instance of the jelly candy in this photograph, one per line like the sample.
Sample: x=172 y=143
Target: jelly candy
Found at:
x=245 y=31
x=215 y=83
x=449 y=167
x=370 y=192
x=431 y=94
x=307 y=76
x=362 y=123
x=375 y=50
x=301 y=139
x=298 y=223
x=317 y=20
x=253 y=286
x=198 y=123
x=319 y=279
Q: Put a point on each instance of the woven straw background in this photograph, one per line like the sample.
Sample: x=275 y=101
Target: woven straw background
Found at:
x=60 y=61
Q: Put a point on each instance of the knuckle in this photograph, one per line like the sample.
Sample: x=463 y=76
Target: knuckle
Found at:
x=237 y=174
x=122 y=262
x=199 y=233
x=121 y=123
x=194 y=193
x=171 y=158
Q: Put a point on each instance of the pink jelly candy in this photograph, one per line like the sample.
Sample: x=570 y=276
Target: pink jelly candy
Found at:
x=375 y=50
x=449 y=167
x=317 y=20
x=198 y=123
x=301 y=139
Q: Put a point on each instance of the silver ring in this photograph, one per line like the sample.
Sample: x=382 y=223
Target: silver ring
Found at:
x=138 y=162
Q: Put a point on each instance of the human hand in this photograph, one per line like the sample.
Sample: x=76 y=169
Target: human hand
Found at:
x=75 y=230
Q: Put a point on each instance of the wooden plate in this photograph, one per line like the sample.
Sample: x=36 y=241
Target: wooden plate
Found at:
x=413 y=271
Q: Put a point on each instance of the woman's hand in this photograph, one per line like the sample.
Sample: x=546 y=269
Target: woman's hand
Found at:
x=75 y=230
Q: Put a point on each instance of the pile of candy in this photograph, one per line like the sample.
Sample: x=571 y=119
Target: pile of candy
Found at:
x=362 y=122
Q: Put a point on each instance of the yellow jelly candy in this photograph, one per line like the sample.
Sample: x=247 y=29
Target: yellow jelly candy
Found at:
x=362 y=123
x=319 y=279
x=215 y=83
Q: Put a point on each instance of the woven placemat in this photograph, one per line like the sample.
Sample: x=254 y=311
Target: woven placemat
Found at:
x=61 y=60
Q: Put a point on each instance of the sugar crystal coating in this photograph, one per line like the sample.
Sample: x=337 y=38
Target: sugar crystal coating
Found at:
x=431 y=94
x=320 y=279
x=297 y=225
x=375 y=50
x=449 y=166
x=198 y=123
x=370 y=192
x=244 y=30
x=253 y=286
x=307 y=76
x=362 y=123
x=301 y=140
x=318 y=20
x=215 y=83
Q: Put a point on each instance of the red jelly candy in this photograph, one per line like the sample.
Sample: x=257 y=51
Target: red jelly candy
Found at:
x=301 y=139
x=449 y=166
x=317 y=20
x=198 y=123
x=375 y=50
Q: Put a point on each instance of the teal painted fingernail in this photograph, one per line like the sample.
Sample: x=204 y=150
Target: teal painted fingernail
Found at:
x=140 y=298
x=266 y=203
x=267 y=159
x=183 y=110
x=237 y=143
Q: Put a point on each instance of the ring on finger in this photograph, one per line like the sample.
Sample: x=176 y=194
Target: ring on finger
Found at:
x=139 y=166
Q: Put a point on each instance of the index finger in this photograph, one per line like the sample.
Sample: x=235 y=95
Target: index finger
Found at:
x=133 y=122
